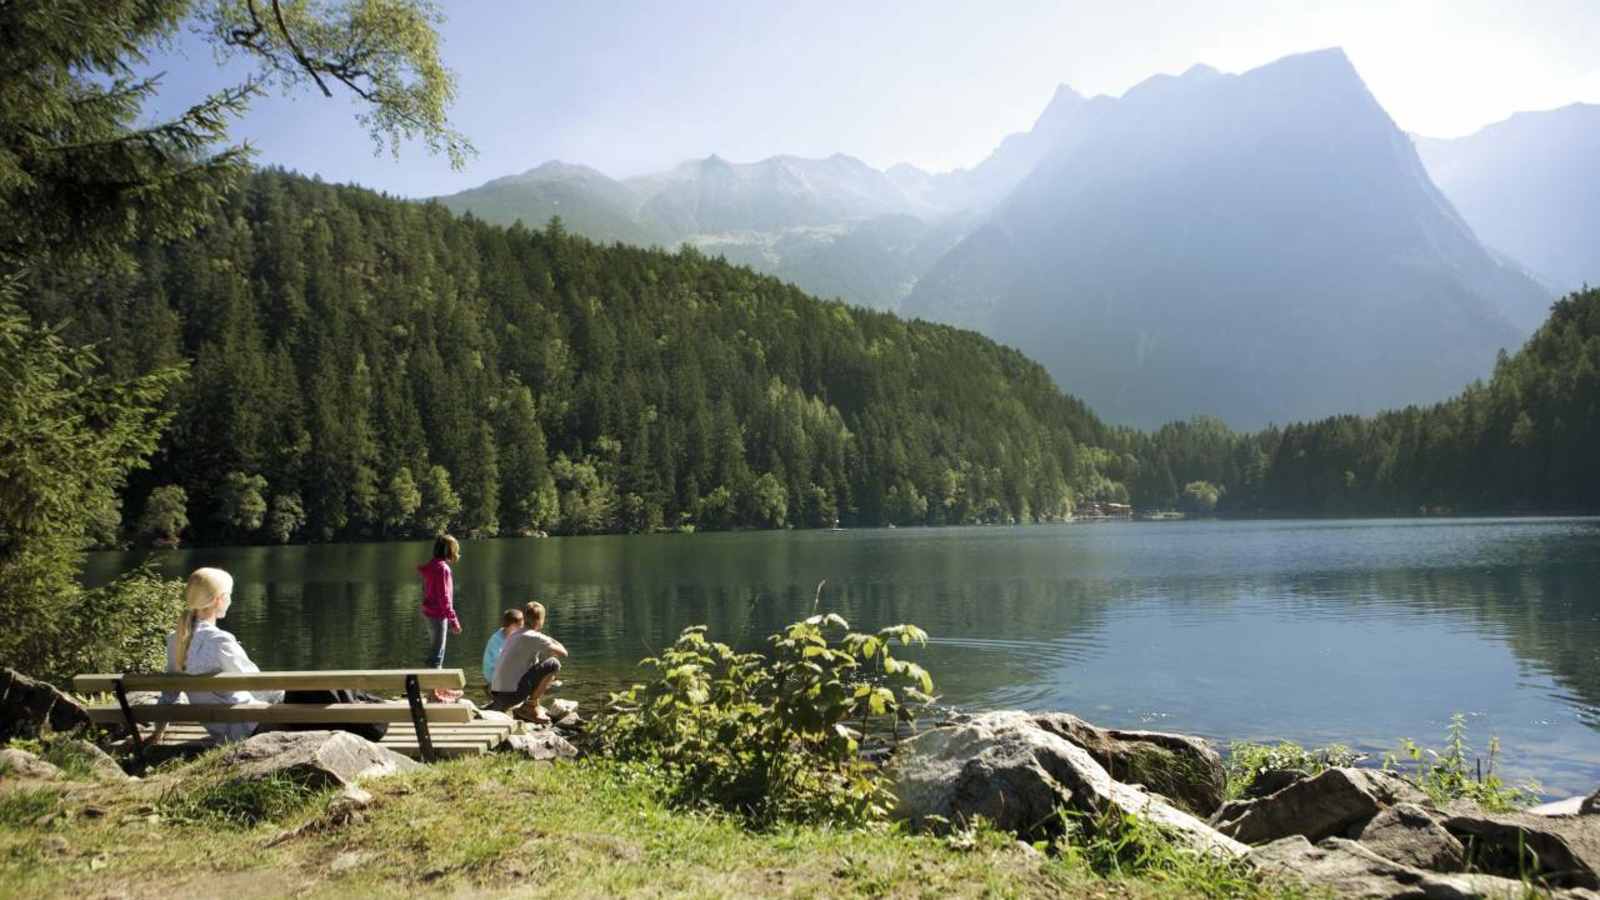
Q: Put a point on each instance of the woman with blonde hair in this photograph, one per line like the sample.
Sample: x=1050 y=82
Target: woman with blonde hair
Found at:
x=198 y=646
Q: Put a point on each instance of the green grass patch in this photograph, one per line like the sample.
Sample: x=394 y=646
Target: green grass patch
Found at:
x=499 y=826
x=22 y=807
x=1127 y=849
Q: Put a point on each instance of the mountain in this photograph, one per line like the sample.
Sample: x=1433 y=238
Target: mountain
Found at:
x=1530 y=187
x=588 y=201
x=1263 y=247
x=835 y=227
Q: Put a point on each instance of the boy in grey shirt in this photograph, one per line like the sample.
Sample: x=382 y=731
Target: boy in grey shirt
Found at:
x=528 y=663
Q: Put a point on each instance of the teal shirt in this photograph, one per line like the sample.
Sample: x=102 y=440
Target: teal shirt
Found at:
x=491 y=654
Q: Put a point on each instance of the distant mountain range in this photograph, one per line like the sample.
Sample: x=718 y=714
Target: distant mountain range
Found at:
x=1264 y=247
x=1530 y=187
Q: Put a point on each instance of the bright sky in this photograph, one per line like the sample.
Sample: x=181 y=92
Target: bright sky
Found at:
x=636 y=87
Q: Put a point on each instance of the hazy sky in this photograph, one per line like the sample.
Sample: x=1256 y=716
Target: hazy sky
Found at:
x=634 y=87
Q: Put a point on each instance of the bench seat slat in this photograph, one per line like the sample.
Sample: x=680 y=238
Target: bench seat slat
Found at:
x=344 y=679
x=278 y=713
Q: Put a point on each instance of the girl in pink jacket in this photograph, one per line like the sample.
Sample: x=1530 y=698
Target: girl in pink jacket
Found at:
x=438 y=597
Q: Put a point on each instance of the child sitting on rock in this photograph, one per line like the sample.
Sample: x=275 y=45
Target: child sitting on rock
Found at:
x=528 y=664
x=510 y=623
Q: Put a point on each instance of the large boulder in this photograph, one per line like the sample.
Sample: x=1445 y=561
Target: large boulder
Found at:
x=316 y=759
x=1405 y=833
x=1004 y=767
x=1560 y=852
x=22 y=765
x=101 y=765
x=1176 y=766
x=1330 y=803
x=28 y=706
x=1348 y=869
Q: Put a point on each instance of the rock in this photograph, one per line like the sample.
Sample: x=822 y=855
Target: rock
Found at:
x=27 y=706
x=1591 y=805
x=1559 y=852
x=20 y=764
x=1272 y=781
x=1326 y=804
x=1178 y=766
x=1572 y=806
x=102 y=767
x=1406 y=834
x=539 y=745
x=315 y=759
x=1004 y=767
x=1351 y=870
x=349 y=859
x=564 y=714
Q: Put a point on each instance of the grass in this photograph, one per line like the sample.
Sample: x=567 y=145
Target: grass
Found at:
x=496 y=826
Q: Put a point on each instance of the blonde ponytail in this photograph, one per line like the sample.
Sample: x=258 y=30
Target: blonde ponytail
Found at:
x=205 y=586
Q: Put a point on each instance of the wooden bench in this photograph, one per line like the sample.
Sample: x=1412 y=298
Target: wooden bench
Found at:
x=438 y=729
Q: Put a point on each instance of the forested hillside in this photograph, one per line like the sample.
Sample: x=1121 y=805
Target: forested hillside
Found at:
x=363 y=366
x=1528 y=440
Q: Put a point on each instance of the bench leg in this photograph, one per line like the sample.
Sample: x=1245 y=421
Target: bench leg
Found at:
x=133 y=726
x=419 y=719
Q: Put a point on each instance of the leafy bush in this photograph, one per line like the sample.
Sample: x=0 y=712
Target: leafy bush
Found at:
x=1247 y=761
x=1445 y=775
x=772 y=737
x=117 y=627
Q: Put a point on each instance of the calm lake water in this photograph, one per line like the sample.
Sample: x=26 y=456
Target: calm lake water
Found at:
x=1360 y=632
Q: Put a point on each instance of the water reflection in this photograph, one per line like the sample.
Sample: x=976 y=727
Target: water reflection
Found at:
x=1357 y=631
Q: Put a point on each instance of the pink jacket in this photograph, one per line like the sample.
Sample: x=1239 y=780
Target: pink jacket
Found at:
x=438 y=591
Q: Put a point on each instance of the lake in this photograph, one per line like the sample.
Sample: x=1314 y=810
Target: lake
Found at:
x=1360 y=632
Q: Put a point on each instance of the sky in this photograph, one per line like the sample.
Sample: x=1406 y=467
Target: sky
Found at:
x=634 y=87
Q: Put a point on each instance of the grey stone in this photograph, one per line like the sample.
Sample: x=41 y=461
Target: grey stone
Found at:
x=313 y=758
x=27 y=706
x=1351 y=870
x=102 y=767
x=20 y=764
x=1272 y=781
x=1590 y=805
x=540 y=745
x=1178 y=766
x=1329 y=803
x=1562 y=852
x=1405 y=833
x=1572 y=806
x=1004 y=767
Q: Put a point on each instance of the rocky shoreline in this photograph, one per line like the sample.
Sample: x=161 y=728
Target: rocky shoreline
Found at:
x=1356 y=832
x=1351 y=831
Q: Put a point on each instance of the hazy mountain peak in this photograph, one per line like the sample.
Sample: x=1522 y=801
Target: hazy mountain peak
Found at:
x=1329 y=65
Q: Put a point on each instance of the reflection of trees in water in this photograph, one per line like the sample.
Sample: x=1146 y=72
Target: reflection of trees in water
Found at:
x=1548 y=613
x=1004 y=613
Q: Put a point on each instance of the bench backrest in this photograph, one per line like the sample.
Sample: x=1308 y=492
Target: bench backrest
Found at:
x=278 y=713
x=337 y=679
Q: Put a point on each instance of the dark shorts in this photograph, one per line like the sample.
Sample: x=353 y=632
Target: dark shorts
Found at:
x=530 y=679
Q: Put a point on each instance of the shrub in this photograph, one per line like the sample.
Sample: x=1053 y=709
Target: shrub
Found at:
x=772 y=737
x=1247 y=761
x=1445 y=775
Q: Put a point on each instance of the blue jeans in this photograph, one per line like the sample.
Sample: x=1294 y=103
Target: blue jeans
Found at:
x=437 y=629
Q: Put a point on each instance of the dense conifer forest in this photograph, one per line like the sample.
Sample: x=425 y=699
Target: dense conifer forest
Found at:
x=365 y=367
x=361 y=366
x=1528 y=440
